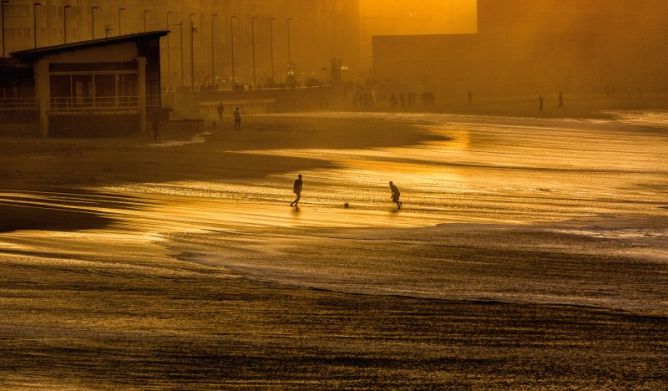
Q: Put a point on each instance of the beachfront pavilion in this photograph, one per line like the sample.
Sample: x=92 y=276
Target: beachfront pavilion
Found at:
x=100 y=87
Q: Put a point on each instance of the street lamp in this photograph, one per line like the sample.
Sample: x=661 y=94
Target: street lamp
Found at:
x=146 y=12
x=213 y=48
x=290 y=67
x=3 y=26
x=67 y=7
x=271 y=47
x=92 y=21
x=169 y=54
x=232 y=19
x=34 y=21
x=192 y=51
x=180 y=24
x=119 y=20
x=289 y=43
x=253 y=46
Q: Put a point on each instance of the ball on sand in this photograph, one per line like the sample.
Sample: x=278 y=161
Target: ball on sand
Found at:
x=346 y=205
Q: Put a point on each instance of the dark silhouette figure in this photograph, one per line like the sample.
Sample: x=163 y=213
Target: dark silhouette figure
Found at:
x=221 y=111
x=470 y=98
x=396 y=194
x=156 y=130
x=561 y=100
x=297 y=189
x=237 y=119
x=541 y=103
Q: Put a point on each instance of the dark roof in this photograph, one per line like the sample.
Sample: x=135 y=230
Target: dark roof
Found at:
x=34 y=54
x=8 y=63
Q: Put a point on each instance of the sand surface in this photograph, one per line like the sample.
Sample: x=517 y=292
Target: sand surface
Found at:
x=530 y=253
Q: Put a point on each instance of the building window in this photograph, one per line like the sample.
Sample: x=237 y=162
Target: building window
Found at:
x=88 y=91
x=17 y=10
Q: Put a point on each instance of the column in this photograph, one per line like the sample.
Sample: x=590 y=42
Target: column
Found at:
x=43 y=94
x=141 y=92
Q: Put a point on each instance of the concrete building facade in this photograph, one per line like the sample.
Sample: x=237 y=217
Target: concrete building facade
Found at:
x=538 y=46
x=249 y=38
x=199 y=51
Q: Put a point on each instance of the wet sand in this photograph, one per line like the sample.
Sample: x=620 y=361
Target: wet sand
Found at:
x=531 y=254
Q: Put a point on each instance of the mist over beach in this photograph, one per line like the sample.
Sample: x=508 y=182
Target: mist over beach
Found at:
x=334 y=194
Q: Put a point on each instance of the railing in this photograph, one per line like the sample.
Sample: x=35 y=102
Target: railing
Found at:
x=107 y=103
x=94 y=103
x=18 y=104
x=165 y=100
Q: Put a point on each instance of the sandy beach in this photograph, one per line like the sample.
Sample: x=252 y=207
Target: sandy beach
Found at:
x=531 y=254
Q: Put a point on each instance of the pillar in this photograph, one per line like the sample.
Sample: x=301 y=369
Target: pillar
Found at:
x=43 y=95
x=141 y=92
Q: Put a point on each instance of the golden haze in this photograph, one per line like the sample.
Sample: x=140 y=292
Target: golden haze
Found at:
x=421 y=16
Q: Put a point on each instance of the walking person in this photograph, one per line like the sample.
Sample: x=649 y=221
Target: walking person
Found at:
x=237 y=119
x=221 y=111
x=396 y=194
x=297 y=189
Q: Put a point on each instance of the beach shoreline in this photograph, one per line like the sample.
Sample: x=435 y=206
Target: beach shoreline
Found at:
x=135 y=265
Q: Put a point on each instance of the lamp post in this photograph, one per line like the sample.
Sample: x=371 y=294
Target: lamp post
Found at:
x=67 y=7
x=119 y=21
x=290 y=67
x=169 y=54
x=192 y=52
x=34 y=22
x=3 y=26
x=92 y=21
x=253 y=46
x=180 y=24
x=146 y=12
x=213 y=48
x=232 y=19
x=289 y=42
x=271 y=47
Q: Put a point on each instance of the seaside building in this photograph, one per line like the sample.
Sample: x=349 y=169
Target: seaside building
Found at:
x=538 y=47
x=102 y=87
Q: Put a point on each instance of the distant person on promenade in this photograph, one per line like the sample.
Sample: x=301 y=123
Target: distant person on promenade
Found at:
x=156 y=130
x=561 y=100
x=297 y=189
x=237 y=119
x=541 y=103
x=396 y=194
x=221 y=111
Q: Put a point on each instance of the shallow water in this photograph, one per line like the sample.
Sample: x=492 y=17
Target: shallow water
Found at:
x=566 y=179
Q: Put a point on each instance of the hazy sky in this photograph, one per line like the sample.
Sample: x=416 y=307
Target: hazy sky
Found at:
x=419 y=16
